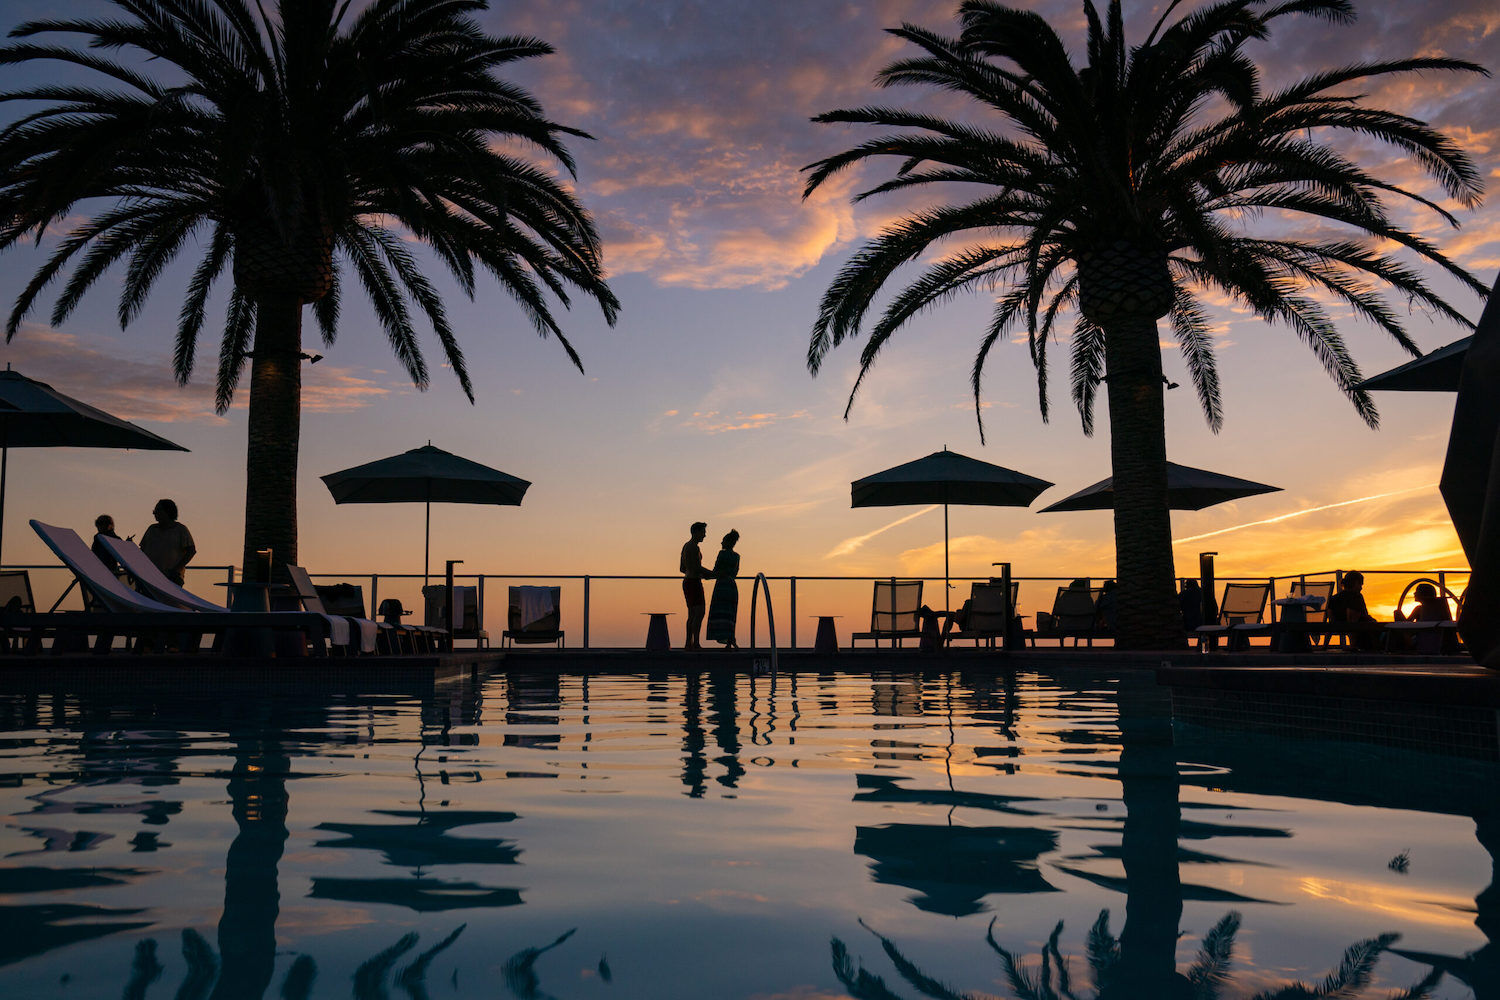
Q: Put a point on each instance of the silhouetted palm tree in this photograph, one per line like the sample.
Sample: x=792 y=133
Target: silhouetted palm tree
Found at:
x=1123 y=188
x=285 y=146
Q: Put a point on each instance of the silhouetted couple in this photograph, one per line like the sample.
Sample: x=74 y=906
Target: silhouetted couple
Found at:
x=725 y=608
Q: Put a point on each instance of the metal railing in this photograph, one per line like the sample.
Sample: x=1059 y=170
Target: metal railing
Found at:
x=1032 y=596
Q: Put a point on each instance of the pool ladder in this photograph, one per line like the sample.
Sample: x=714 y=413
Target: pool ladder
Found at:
x=755 y=589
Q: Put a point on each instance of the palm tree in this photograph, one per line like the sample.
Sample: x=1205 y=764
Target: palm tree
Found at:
x=292 y=148
x=1121 y=189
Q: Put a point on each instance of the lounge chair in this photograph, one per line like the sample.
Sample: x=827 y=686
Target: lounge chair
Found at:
x=130 y=613
x=150 y=580
x=470 y=623
x=15 y=600
x=987 y=614
x=1074 y=616
x=307 y=595
x=893 y=612
x=1242 y=614
x=534 y=615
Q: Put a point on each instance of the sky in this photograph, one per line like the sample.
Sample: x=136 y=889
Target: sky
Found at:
x=698 y=404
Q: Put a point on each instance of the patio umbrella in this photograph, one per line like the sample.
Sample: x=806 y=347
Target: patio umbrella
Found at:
x=1435 y=372
x=35 y=415
x=947 y=477
x=424 y=475
x=1187 y=489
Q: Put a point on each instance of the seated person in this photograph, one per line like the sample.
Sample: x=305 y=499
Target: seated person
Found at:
x=1347 y=607
x=1106 y=614
x=1431 y=608
x=1191 y=598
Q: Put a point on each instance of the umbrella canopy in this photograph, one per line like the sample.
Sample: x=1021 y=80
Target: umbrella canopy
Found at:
x=1435 y=372
x=35 y=415
x=425 y=475
x=1187 y=489
x=947 y=477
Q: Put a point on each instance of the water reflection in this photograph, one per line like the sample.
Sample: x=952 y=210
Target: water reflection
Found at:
x=331 y=840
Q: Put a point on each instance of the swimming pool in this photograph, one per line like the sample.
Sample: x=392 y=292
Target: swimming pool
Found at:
x=714 y=835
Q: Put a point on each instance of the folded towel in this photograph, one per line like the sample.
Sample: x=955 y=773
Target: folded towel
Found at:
x=536 y=604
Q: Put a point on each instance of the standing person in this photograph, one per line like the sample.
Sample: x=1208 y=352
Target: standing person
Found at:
x=168 y=543
x=693 y=575
x=724 y=609
x=104 y=527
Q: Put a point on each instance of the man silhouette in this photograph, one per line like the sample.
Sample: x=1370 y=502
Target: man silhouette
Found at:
x=693 y=575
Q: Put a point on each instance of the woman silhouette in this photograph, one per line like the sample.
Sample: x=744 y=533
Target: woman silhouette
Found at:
x=724 y=607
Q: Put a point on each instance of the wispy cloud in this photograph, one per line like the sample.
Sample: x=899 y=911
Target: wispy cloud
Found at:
x=781 y=509
x=716 y=422
x=1303 y=513
x=850 y=545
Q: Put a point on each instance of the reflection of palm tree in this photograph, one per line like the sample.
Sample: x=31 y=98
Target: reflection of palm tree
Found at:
x=520 y=969
x=369 y=979
x=252 y=899
x=1051 y=977
x=1479 y=970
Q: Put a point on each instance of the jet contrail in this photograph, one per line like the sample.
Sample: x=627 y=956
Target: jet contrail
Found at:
x=848 y=545
x=1299 y=513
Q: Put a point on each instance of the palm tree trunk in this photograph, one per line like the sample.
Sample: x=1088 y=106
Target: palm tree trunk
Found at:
x=275 y=424
x=1150 y=617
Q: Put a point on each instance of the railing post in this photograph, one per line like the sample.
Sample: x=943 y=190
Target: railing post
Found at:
x=585 y=612
x=895 y=643
x=374 y=594
x=229 y=577
x=794 y=611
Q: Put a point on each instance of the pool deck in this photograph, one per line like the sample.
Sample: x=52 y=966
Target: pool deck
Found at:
x=374 y=674
x=1429 y=680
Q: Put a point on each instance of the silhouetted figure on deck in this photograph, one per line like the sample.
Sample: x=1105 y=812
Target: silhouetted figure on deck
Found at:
x=1347 y=607
x=168 y=543
x=1191 y=598
x=724 y=609
x=104 y=527
x=690 y=564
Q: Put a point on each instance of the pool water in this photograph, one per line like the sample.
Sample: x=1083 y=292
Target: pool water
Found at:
x=802 y=837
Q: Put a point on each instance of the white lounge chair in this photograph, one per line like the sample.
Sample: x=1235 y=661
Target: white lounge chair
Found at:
x=129 y=612
x=149 y=578
x=307 y=593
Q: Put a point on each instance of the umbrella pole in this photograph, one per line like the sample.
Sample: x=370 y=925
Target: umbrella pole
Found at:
x=4 y=462
x=945 y=559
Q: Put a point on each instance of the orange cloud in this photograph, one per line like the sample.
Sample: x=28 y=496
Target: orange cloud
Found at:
x=715 y=422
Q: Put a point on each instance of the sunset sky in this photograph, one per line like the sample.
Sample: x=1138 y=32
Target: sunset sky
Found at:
x=698 y=404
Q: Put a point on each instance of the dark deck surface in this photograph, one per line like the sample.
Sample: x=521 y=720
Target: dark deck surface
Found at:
x=370 y=673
